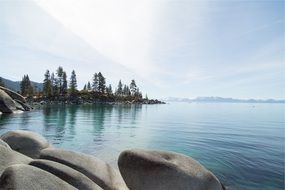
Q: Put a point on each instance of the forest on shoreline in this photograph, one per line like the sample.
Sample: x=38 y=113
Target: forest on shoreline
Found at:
x=58 y=89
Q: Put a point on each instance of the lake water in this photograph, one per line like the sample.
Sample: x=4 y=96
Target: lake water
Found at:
x=242 y=144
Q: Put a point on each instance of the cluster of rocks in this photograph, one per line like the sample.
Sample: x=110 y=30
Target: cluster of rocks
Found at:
x=11 y=101
x=29 y=162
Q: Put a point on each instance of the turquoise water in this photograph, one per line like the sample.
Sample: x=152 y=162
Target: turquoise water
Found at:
x=243 y=144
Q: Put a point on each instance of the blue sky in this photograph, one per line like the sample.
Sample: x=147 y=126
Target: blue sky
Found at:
x=172 y=48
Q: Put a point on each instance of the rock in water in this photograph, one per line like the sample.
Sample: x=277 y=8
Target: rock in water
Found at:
x=25 y=142
x=9 y=157
x=158 y=170
x=25 y=177
x=98 y=171
x=13 y=94
x=7 y=104
x=71 y=176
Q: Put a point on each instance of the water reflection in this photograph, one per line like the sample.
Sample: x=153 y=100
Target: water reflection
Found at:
x=61 y=120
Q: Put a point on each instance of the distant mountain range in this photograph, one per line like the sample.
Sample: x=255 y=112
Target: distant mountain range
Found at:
x=15 y=85
x=221 y=100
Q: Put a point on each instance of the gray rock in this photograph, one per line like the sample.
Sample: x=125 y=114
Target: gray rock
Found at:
x=25 y=142
x=3 y=143
x=9 y=157
x=98 y=171
x=13 y=95
x=71 y=176
x=7 y=104
x=25 y=106
x=25 y=177
x=158 y=170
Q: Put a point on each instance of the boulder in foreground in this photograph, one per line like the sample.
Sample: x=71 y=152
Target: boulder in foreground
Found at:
x=158 y=170
x=9 y=157
x=25 y=142
x=98 y=171
x=71 y=176
x=25 y=177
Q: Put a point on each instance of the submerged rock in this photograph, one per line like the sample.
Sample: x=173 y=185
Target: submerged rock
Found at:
x=7 y=104
x=158 y=170
x=98 y=171
x=25 y=177
x=71 y=176
x=9 y=157
x=25 y=142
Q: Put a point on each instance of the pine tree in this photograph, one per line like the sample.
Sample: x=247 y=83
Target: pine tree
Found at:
x=120 y=88
x=2 y=82
x=59 y=73
x=88 y=86
x=47 y=85
x=26 y=86
x=95 y=82
x=54 y=83
x=101 y=83
x=109 y=90
x=133 y=88
x=64 y=83
x=146 y=97
x=85 y=87
x=73 y=83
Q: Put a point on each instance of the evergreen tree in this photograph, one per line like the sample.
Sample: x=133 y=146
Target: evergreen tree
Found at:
x=88 y=86
x=47 y=85
x=64 y=83
x=133 y=88
x=146 y=97
x=109 y=90
x=2 y=82
x=95 y=82
x=54 y=83
x=26 y=86
x=85 y=87
x=120 y=88
x=101 y=83
x=73 y=83
x=59 y=73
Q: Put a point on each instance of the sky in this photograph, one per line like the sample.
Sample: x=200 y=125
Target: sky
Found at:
x=172 y=48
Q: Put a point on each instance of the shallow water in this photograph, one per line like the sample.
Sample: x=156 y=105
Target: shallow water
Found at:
x=242 y=144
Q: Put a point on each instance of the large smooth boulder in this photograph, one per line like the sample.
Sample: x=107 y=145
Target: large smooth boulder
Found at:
x=25 y=177
x=71 y=176
x=159 y=170
x=9 y=157
x=98 y=171
x=2 y=143
x=25 y=142
x=13 y=94
x=7 y=104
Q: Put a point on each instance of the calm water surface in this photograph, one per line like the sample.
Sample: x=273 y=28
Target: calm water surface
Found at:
x=243 y=144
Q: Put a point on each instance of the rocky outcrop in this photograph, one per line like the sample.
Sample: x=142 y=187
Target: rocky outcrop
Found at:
x=11 y=101
x=71 y=176
x=158 y=170
x=25 y=142
x=97 y=170
x=9 y=157
x=13 y=95
x=63 y=169
x=25 y=177
x=7 y=104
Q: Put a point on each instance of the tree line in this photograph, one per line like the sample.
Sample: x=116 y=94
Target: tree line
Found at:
x=56 y=84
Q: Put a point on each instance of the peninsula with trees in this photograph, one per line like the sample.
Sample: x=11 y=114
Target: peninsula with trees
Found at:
x=57 y=88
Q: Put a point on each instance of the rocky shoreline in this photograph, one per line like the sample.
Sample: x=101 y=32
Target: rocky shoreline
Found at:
x=11 y=101
x=29 y=162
